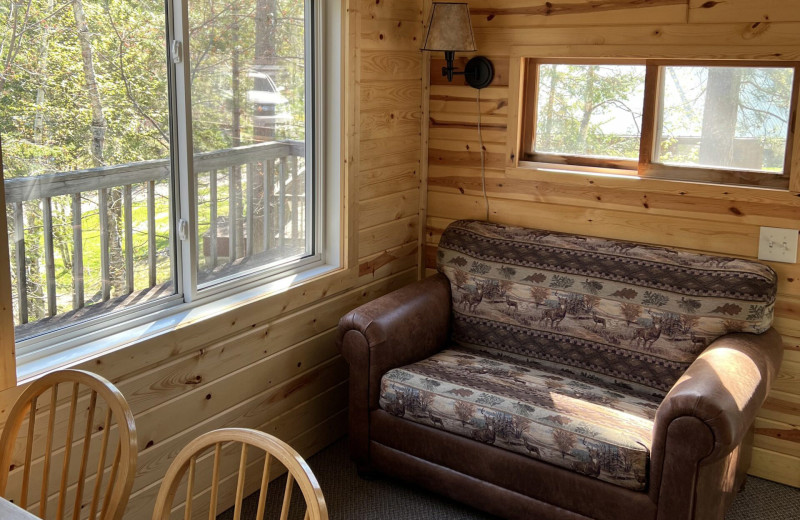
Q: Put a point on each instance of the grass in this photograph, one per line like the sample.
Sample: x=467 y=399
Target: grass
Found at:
x=90 y=224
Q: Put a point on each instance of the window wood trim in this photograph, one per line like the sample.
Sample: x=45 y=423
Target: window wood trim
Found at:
x=530 y=96
x=8 y=356
x=715 y=176
x=794 y=174
x=581 y=160
x=791 y=166
x=653 y=99
x=651 y=124
x=529 y=116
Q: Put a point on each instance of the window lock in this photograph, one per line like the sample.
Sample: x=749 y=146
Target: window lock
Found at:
x=183 y=229
x=177 y=51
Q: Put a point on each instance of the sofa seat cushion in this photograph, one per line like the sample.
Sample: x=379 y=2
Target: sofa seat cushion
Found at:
x=545 y=411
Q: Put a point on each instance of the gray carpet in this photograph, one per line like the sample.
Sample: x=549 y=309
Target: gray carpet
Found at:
x=352 y=498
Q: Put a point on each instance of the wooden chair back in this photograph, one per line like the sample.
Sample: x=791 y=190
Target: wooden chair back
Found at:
x=108 y=438
x=273 y=448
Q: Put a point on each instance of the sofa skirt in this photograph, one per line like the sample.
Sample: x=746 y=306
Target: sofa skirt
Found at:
x=497 y=481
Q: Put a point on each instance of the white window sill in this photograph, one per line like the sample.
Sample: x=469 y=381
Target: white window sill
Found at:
x=74 y=351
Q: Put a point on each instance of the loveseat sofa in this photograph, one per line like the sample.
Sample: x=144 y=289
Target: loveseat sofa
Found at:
x=549 y=375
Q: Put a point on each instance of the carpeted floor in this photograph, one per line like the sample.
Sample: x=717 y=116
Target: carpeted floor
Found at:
x=352 y=498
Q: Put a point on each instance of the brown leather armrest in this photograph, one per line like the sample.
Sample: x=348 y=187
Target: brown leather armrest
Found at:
x=399 y=328
x=717 y=398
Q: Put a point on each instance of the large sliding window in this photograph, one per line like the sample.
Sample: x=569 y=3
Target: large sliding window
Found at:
x=85 y=129
x=249 y=85
x=154 y=155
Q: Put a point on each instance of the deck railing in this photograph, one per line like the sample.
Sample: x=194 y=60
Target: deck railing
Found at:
x=251 y=200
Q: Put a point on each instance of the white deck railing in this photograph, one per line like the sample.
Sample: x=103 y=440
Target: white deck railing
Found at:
x=259 y=189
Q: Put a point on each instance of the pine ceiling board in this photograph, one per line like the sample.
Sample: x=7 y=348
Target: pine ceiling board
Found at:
x=526 y=13
x=718 y=11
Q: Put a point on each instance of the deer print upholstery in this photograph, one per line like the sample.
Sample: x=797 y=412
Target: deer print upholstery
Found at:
x=549 y=375
x=620 y=310
x=553 y=414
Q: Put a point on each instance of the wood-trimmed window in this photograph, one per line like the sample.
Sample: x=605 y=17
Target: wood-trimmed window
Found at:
x=724 y=121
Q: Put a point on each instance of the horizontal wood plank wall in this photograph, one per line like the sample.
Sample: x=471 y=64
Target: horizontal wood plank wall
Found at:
x=713 y=219
x=280 y=371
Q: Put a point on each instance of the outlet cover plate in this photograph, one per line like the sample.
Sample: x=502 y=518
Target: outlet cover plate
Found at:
x=778 y=245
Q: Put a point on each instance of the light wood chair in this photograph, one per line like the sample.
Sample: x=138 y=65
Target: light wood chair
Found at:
x=274 y=448
x=93 y=393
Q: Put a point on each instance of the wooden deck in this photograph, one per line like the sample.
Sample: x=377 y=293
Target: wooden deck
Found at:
x=90 y=311
x=258 y=191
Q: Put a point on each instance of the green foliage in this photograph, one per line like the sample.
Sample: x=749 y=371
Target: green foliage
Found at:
x=654 y=298
x=562 y=282
x=760 y=103
x=46 y=111
x=596 y=110
x=45 y=79
x=590 y=110
x=226 y=46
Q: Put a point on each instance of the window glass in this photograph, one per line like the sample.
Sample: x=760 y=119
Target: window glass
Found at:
x=84 y=123
x=92 y=93
x=725 y=117
x=590 y=110
x=249 y=104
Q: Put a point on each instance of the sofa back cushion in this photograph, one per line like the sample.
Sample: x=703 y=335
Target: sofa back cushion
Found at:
x=620 y=311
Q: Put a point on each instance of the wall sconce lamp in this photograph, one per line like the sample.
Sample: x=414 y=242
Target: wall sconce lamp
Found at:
x=450 y=30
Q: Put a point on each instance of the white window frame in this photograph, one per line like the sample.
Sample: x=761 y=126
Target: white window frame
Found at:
x=323 y=150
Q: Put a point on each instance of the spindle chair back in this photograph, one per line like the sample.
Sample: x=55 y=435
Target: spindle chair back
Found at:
x=101 y=414
x=239 y=439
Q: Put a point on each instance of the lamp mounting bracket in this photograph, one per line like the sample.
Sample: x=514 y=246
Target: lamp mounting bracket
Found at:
x=479 y=72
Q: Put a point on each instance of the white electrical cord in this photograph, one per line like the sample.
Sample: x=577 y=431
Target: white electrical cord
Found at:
x=483 y=158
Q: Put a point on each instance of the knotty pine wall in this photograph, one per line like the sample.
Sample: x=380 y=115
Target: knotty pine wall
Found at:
x=707 y=218
x=273 y=365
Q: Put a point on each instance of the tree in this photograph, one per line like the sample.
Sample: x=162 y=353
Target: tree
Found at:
x=464 y=410
x=630 y=311
x=98 y=124
x=265 y=59
x=712 y=115
x=83 y=83
x=590 y=301
x=688 y=322
x=588 y=108
x=545 y=142
x=11 y=43
x=519 y=426
x=110 y=209
x=578 y=107
x=460 y=278
x=539 y=294
x=565 y=441
x=726 y=116
x=504 y=286
x=719 y=116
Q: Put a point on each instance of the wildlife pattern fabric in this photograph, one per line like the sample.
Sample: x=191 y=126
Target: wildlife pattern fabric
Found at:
x=621 y=311
x=548 y=412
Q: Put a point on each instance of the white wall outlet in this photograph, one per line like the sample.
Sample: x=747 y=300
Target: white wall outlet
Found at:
x=778 y=245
